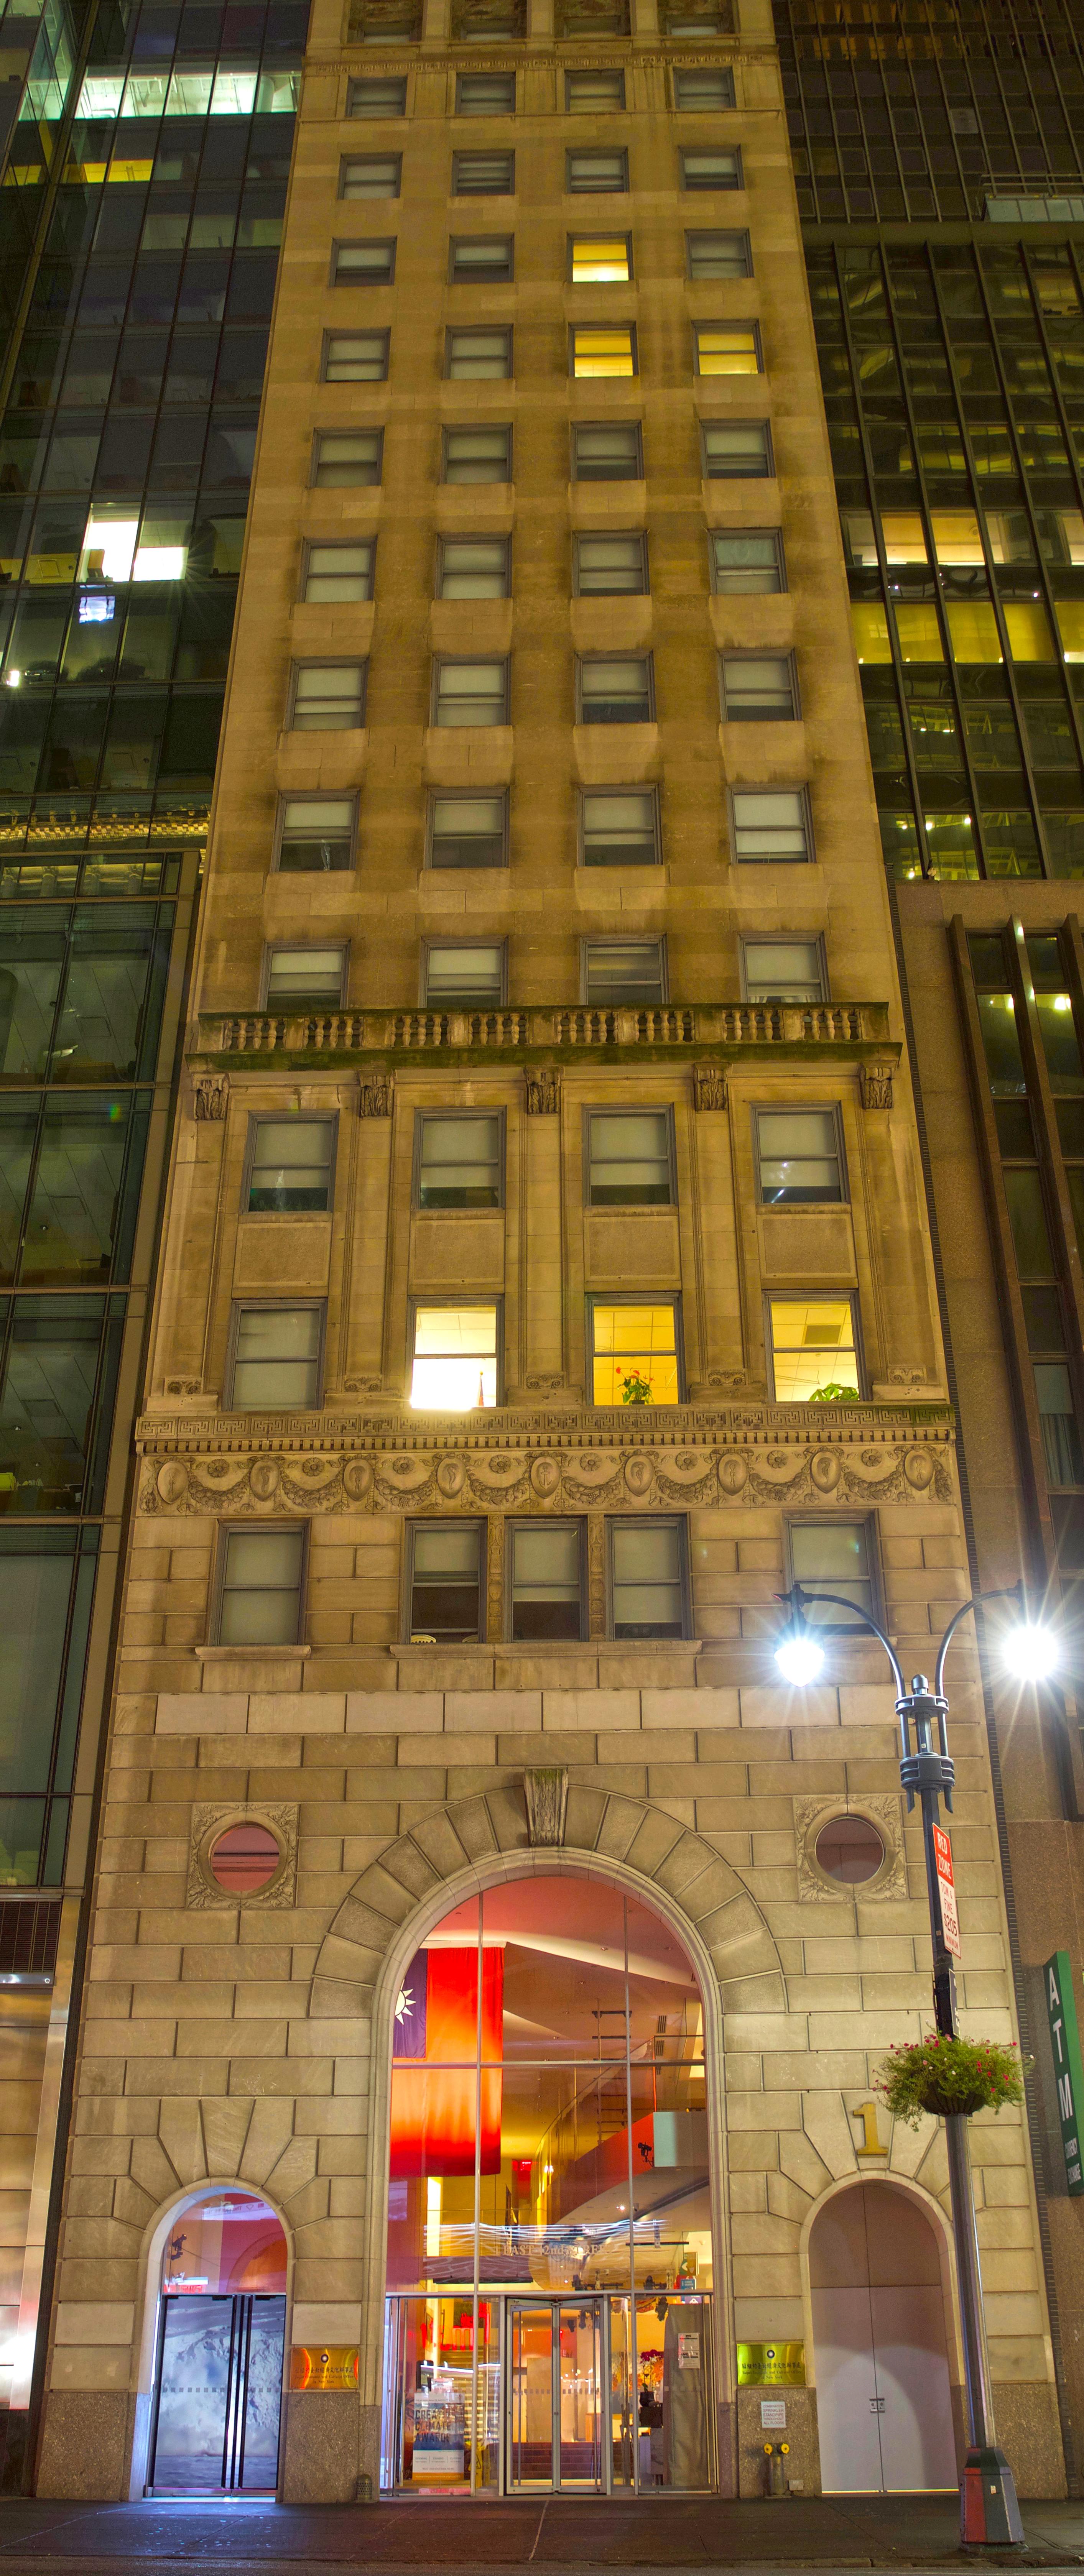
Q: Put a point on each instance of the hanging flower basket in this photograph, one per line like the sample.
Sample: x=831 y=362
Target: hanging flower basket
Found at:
x=950 y=2078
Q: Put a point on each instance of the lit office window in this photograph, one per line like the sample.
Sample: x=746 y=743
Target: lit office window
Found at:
x=598 y=352
x=813 y=1351
x=634 y=1357
x=454 y=1362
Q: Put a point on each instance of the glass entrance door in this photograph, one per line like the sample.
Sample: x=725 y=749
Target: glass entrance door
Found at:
x=219 y=2395
x=556 y=2383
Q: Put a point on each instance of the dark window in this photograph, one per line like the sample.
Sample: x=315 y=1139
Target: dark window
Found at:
x=57 y=1376
x=316 y=833
x=546 y=1587
x=616 y=692
x=363 y=263
x=275 y=1361
x=607 y=453
x=473 y=568
x=596 y=174
x=483 y=174
x=747 y=561
x=300 y=979
x=328 y=697
x=485 y=94
x=355 y=357
x=718 y=255
x=783 y=970
x=594 y=93
x=704 y=89
x=70 y=1171
x=799 y=1157
x=81 y=992
x=758 y=688
x=712 y=170
x=648 y=1588
x=832 y=1556
x=46 y=1590
x=460 y=1160
x=470 y=693
x=342 y=457
x=468 y=832
x=481 y=259
x=463 y=974
x=373 y=175
x=290 y=1165
x=736 y=447
x=630 y=1158
x=609 y=566
x=261 y=1578
x=630 y=971
x=339 y=572
x=447 y=1561
x=771 y=826
x=620 y=827
x=478 y=356
x=481 y=455
x=377 y=97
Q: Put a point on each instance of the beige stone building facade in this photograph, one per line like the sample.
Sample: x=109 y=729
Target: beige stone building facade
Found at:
x=545 y=1051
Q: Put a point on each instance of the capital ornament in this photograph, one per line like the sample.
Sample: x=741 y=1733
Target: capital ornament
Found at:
x=709 y=1086
x=543 y=1090
x=374 y=1096
x=875 y=1085
x=210 y=1093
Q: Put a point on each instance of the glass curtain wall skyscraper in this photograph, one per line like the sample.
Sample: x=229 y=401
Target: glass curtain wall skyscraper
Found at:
x=141 y=205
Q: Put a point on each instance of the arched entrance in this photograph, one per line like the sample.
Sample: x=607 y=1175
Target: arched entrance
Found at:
x=549 y=2243
x=217 y=2397
x=884 y=2404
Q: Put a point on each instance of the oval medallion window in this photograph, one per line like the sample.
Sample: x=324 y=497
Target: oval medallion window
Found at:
x=850 y=1850
x=244 y=1859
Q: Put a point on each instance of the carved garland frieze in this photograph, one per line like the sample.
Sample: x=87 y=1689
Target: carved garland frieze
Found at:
x=566 y=1478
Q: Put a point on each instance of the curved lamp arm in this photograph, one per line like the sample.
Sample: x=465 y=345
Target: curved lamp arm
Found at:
x=797 y=1598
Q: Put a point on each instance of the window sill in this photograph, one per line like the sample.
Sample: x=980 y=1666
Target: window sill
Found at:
x=251 y=1654
x=552 y=1646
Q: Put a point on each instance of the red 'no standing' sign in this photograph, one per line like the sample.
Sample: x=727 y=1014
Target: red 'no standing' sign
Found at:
x=946 y=1888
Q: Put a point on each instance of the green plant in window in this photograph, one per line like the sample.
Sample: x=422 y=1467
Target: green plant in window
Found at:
x=635 y=1387
x=833 y=1394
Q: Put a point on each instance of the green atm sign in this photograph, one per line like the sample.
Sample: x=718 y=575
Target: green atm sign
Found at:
x=1065 y=2047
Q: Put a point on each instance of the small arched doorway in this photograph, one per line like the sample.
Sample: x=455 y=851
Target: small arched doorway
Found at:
x=219 y=2351
x=549 y=2324
x=884 y=2403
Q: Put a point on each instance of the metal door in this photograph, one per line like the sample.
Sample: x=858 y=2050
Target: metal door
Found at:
x=218 y=2396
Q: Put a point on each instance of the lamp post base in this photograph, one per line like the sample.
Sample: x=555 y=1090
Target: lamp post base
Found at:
x=989 y=2512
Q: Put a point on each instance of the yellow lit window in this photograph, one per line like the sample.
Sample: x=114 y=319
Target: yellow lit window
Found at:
x=973 y=628
x=956 y=537
x=1070 y=616
x=904 y=540
x=870 y=623
x=1030 y=639
x=727 y=349
x=635 y=1355
x=813 y=1353
x=604 y=353
x=455 y=1358
x=919 y=633
x=601 y=263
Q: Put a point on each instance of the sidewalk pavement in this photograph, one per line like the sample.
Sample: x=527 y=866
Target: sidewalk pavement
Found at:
x=500 y=2539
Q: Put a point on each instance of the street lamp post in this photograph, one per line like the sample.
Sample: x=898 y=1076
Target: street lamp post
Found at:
x=989 y=2512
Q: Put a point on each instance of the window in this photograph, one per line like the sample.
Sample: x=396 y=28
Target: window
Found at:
x=58 y=1376
x=339 y=572
x=485 y=94
x=783 y=970
x=374 y=175
x=727 y=348
x=377 y=98
x=300 y=978
x=477 y=356
x=597 y=174
x=71 y=1166
x=704 y=89
x=468 y=975
x=832 y=1556
x=468 y=832
x=758 y=688
x=470 y=693
x=647 y=1578
x=483 y=174
x=82 y=993
x=454 y=1364
x=593 y=93
x=446 y=1592
x=634 y=1351
x=629 y=971
x=363 y=263
x=460 y=1159
x=736 y=447
x=629 y=1158
x=600 y=259
x=261 y=1573
x=545 y=1580
x=711 y=170
x=618 y=692
x=609 y=567
x=620 y=827
x=473 y=568
x=718 y=255
x=275 y=1360
x=814 y=1354
x=327 y=696
x=771 y=826
x=596 y=352
x=344 y=457
x=480 y=259
x=290 y=1164
x=355 y=357
x=316 y=833
x=477 y=456
x=741 y=562
x=610 y=454
x=799 y=1157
